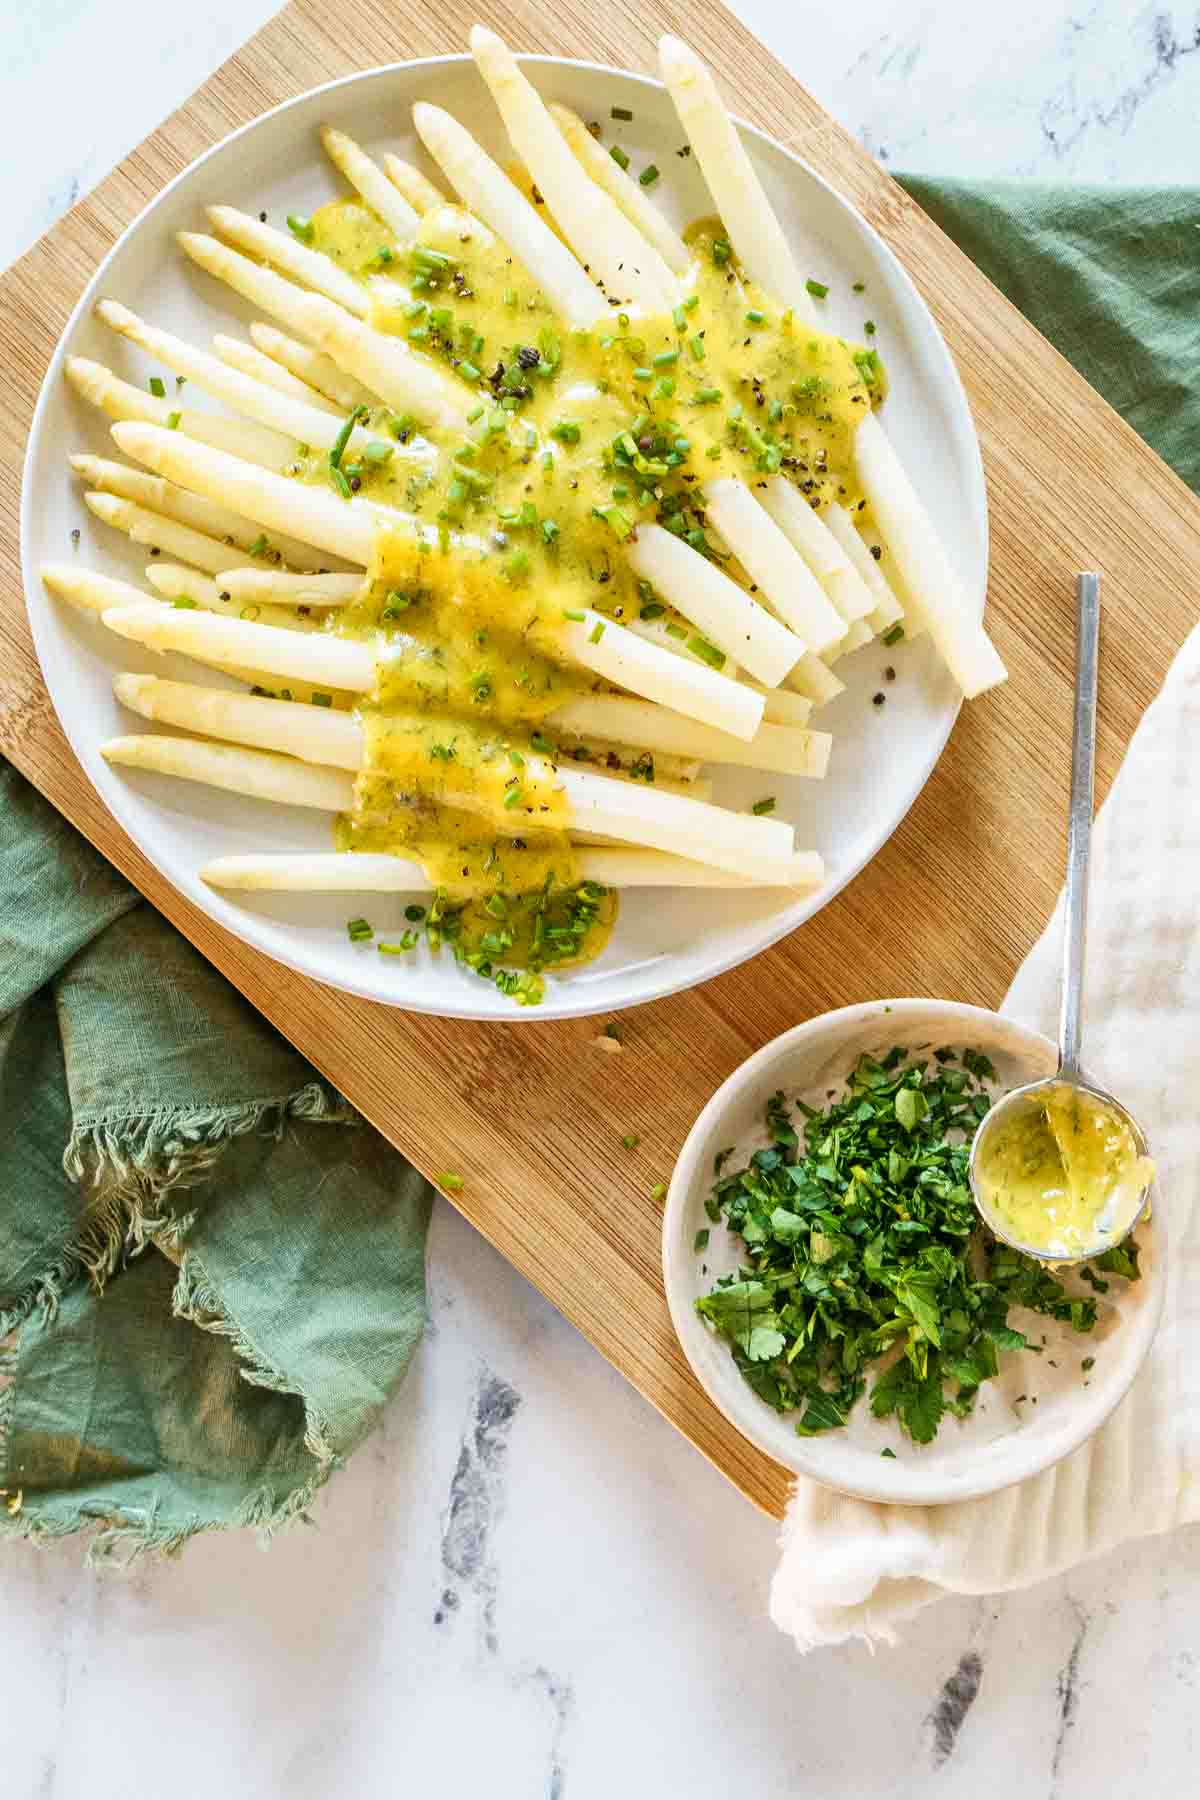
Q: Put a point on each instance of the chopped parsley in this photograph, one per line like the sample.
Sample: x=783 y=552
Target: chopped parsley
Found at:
x=862 y=1247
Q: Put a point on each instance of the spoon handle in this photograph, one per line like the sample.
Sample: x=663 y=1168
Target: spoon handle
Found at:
x=1079 y=822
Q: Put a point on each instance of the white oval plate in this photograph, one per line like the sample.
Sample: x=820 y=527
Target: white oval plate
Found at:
x=1000 y=1442
x=665 y=940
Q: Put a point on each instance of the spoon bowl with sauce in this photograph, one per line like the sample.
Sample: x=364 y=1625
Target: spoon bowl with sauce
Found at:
x=1060 y=1169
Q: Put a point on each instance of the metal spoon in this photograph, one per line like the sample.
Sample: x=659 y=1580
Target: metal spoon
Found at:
x=1070 y=1024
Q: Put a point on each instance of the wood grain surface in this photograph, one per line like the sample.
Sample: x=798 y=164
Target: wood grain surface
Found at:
x=532 y=1114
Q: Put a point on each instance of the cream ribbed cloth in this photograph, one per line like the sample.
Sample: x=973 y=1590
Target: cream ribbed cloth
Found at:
x=851 y=1568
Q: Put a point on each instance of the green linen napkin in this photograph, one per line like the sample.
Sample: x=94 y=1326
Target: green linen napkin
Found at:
x=211 y=1274
x=1110 y=275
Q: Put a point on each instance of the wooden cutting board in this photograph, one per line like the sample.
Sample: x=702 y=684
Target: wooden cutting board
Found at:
x=532 y=1114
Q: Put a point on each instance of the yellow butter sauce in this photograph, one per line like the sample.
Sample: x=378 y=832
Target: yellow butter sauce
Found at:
x=574 y=438
x=1064 y=1174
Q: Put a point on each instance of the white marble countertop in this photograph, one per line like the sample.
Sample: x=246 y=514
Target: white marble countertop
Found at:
x=590 y=1617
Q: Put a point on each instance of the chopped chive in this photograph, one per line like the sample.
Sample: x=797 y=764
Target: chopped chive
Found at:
x=755 y=317
x=696 y=346
x=631 y=1141
x=700 y=646
x=761 y=807
x=653 y=609
x=340 y=483
x=450 y=1181
x=680 y=318
x=860 y=287
x=343 y=437
x=549 y=530
x=300 y=227
x=658 y=1190
x=566 y=431
x=722 y=250
x=414 y=914
x=173 y=419
x=414 y=309
x=700 y=1241
x=893 y=636
x=577 y=618
x=319 y=699
x=475 y=415
x=664 y=387
x=514 y=797
x=359 y=930
x=676 y=631
x=665 y=358
x=378 y=452
x=157 y=388
x=619 y=157
x=869 y=328
x=648 y=176
x=706 y=396
x=818 y=289
x=691 y=303
x=408 y=941
x=622 y=112
x=182 y=603
x=510 y=296
x=597 y=632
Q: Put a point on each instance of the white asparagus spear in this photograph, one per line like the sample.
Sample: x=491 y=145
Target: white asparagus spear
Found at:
x=781 y=749
x=815 y=680
x=378 y=192
x=385 y=364
x=312 y=368
x=159 y=533
x=313 y=734
x=361 y=872
x=273 y=374
x=409 y=181
x=262 y=287
x=175 y=582
x=631 y=812
x=240 y=393
x=603 y=239
x=924 y=567
x=260 y=774
x=121 y=401
x=756 y=234
x=89 y=591
x=728 y=616
x=787 y=584
x=345 y=528
x=887 y=610
x=608 y=650
x=489 y=193
x=308 y=267
x=280 y=589
x=206 y=516
x=623 y=190
x=820 y=548
x=295 y=656
x=780 y=705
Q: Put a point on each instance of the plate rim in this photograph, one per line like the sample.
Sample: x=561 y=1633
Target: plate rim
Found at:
x=242 y=924
x=894 y=1484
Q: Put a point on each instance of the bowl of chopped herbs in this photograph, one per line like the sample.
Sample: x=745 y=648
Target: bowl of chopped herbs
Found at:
x=835 y=1291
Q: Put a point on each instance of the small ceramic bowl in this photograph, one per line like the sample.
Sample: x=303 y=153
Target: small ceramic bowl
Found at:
x=1038 y=1409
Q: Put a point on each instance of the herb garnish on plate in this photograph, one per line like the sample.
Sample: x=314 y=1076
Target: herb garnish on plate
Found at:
x=862 y=1243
